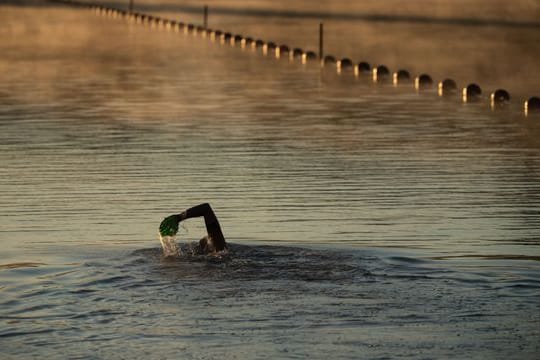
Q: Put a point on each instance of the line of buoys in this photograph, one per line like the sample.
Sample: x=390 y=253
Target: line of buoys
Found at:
x=379 y=74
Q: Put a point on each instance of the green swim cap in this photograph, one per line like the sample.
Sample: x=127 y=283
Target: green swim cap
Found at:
x=169 y=225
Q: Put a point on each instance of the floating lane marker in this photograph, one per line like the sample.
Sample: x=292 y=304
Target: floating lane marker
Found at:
x=532 y=106
x=344 y=64
x=282 y=50
x=401 y=77
x=447 y=87
x=472 y=93
x=328 y=60
x=296 y=54
x=499 y=98
x=363 y=68
x=308 y=56
x=380 y=74
x=423 y=82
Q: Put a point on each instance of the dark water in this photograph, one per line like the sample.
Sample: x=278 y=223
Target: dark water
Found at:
x=268 y=302
x=365 y=221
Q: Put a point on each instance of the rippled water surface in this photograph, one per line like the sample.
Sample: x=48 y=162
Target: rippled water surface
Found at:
x=364 y=221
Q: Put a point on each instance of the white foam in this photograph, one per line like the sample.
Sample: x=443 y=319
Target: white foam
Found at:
x=170 y=248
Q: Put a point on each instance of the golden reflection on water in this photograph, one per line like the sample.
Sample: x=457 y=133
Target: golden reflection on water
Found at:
x=106 y=127
x=125 y=114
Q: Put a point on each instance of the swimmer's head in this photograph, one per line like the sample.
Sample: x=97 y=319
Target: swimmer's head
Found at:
x=169 y=225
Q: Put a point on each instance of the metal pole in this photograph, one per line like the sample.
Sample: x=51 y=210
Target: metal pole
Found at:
x=206 y=16
x=321 y=35
x=130 y=6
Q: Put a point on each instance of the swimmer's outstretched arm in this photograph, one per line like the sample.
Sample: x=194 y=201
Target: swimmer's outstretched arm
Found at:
x=215 y=235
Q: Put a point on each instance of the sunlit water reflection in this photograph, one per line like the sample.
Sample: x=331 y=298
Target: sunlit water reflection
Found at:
x=393 y=223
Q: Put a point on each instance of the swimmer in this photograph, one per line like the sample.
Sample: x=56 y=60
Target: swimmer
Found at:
x=213 y=242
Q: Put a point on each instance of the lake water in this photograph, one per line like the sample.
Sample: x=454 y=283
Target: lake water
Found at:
x=365 y=221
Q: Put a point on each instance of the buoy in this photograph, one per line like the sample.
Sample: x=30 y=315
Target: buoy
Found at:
x=246 y=42
x=235 y=39
x=380 y=73
x=328 y=60
x=282 y=50
x=269 y=47
x=216 y=34
x=156 y=23
x=499 y=98
x=362 y=68
x=199 y=30
x=308 y=56
x=226 y=37
x=143 y=19
x=401 y=77
x=169 y=24
x=423 y=82
x=257 y=44
x=205 y=32
x=471 y=93
x=296 y=53
x=447 y=87
x=532 y=106
x=344 y=64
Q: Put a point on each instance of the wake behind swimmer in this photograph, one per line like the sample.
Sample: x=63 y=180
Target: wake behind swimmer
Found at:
x=213 y=242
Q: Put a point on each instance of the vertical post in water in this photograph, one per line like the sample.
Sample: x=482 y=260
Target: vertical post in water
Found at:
x=205 y=23
x=130 y=6
x=321 y=35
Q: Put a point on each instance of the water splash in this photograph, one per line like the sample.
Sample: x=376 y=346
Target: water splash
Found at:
x=169 y=246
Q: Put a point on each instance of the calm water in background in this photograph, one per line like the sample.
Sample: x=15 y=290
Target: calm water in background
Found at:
x=393 y=224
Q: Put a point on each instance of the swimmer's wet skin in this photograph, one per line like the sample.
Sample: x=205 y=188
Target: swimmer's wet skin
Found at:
x=212 y=242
